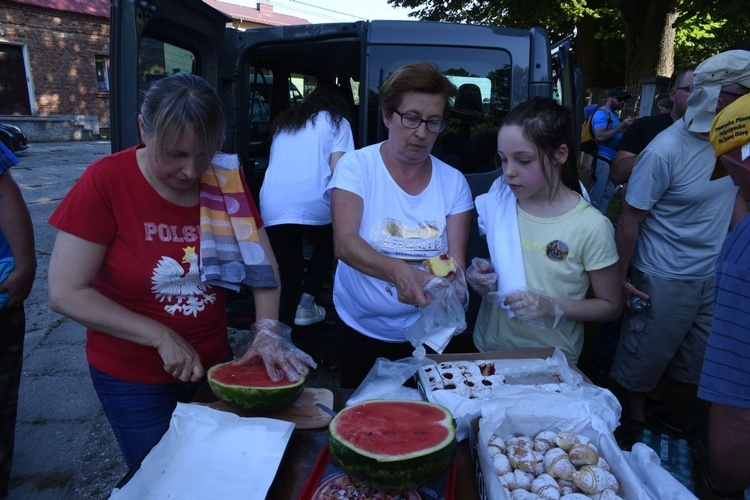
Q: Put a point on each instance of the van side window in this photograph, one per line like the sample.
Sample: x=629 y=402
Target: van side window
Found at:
x=270 y=92
x=261 y=95
x=483 y=81
x=157 y=59
x=297 y=82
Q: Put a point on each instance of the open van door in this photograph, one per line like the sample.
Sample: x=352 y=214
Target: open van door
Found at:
x=567 y=83
x=150 y=39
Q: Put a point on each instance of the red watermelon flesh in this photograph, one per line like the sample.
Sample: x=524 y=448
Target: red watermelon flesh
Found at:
x=250 y=388
x=389 y=429
x=393 y=445
x=254 y=375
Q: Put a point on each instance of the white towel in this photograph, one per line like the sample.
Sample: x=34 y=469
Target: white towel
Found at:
x=498 y=220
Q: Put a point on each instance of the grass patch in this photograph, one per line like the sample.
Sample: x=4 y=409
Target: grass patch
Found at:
x=55 y=479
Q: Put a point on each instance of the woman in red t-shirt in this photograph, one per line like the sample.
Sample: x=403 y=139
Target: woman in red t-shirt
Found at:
x=126 y=264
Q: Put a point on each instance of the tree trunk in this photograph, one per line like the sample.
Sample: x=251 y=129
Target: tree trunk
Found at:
x=665 y=65
x=587 y=50
x=649 y=38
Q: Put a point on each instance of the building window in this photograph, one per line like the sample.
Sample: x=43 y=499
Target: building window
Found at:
x=102 y=73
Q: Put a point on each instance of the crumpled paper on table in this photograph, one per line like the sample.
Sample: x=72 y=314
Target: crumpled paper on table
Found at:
x=208 y=454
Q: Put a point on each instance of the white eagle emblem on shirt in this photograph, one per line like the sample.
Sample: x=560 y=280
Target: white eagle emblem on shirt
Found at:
x=183 y=291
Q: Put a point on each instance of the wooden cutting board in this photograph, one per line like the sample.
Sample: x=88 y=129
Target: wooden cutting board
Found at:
x=304 y=414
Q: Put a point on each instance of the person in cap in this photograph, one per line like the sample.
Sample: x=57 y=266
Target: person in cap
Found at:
x=608 y=130
x=643 y=131
x=674 y=219
x=725 y=380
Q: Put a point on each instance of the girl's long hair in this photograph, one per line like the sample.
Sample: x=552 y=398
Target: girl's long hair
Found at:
x=326 y=97
x=548 y=125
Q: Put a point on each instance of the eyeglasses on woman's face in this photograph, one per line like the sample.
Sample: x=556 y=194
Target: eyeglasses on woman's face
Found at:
x=413 y=121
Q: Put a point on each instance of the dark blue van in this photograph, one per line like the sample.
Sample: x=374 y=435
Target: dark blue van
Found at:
x=494 y=68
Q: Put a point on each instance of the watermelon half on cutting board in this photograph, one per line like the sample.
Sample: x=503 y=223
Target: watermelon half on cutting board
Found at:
x=393 y=444
x=250 y=388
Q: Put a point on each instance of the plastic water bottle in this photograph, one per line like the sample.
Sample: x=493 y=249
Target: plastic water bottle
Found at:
x=647 y=438
x=652 y=441
x=675 y=458
x=639 y=304
x=664 y=451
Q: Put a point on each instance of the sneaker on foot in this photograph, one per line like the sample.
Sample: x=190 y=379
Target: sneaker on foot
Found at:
x=310 y=316
x=659 y=413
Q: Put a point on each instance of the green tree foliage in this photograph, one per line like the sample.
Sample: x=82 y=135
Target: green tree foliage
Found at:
x=736 y=10
x=616 y=41
x=558 y=16
x=707 y=27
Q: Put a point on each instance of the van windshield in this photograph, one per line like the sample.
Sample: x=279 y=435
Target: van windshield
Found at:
x=483 y=81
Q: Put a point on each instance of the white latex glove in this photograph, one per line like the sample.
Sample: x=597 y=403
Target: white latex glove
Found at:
x=481 y=276
x=457 y=281
x=271 y=342
x=534 y=308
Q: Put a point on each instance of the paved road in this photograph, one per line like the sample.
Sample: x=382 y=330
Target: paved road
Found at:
x=65 y=448
x=64 y=445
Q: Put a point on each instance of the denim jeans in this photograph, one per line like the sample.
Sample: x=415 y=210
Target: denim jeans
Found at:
x=602 y=189
x=287 y=244
x=139 y=413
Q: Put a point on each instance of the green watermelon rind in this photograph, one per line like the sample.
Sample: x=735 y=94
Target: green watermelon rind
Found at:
x=256 y=399
x=394 y=473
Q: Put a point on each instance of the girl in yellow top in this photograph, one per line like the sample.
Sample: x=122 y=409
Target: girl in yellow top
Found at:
x=566 y=245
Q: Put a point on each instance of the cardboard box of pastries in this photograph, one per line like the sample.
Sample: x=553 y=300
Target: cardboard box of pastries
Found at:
x=557 y=445
x=550 y=454
x=476 y=375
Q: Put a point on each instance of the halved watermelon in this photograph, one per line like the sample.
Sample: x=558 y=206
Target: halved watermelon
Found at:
x=250 y=388
x=393 y=445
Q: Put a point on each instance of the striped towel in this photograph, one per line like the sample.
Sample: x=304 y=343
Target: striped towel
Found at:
x=231 y=253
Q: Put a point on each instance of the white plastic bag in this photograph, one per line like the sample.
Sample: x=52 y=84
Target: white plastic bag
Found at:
x=660 y=483
x=385 y=380
x=439 y=320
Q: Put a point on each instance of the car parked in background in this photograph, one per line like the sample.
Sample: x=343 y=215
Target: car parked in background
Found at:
x=13 y=137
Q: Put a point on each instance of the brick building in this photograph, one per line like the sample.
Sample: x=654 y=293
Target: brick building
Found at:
x=54 y=56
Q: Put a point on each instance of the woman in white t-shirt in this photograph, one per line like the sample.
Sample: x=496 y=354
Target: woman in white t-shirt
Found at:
x=308 y=140
x=393 y=206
